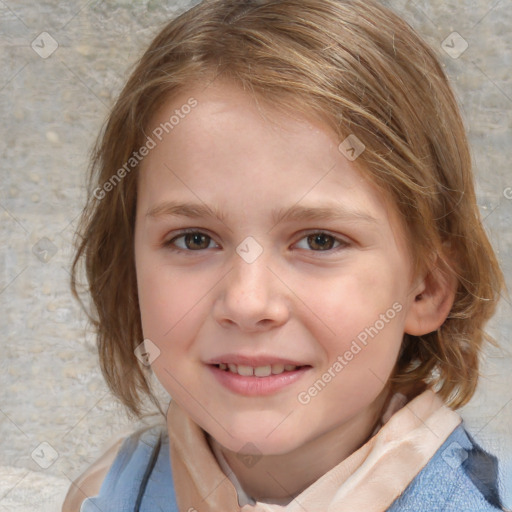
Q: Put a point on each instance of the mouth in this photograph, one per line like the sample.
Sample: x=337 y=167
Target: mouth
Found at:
x=265 y=376
x=258 y=371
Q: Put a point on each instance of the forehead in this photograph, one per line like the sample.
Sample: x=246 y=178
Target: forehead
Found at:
x=226 y=121
x=234 y=152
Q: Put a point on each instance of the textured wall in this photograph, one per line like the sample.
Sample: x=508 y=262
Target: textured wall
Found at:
x=62 y=64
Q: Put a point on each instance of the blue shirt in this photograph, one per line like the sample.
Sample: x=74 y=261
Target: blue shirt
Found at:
x=460 y=477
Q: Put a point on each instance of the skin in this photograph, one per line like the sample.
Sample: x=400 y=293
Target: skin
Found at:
x=295 y=300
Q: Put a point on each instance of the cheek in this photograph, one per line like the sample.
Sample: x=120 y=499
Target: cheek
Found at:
x=166 y=296
x=358 y=299
x=169 y=305
x=365 y=317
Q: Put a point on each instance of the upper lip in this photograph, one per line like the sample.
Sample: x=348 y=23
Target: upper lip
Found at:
x=254 y=361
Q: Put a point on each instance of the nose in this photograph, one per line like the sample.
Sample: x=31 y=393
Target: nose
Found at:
x=252 y=297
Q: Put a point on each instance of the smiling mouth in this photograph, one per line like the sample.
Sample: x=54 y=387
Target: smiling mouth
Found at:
x=258 y=371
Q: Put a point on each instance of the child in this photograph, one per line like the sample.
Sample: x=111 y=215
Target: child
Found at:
x=282 y=208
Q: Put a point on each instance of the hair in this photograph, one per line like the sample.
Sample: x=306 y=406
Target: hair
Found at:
x=364 y=72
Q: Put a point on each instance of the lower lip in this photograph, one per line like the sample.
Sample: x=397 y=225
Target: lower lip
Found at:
x=257 y=386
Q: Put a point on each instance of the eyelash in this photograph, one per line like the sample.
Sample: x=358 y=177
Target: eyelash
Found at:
x=169 y=243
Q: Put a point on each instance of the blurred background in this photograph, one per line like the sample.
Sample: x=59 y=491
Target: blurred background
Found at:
x=62 y=65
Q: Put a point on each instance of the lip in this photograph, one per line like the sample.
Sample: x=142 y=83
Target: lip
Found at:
x=254 y=361
x=257 y=386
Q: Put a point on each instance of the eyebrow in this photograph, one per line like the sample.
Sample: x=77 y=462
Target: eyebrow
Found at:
x=293 y=214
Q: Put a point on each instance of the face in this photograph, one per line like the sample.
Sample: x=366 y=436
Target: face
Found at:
x=280 y=312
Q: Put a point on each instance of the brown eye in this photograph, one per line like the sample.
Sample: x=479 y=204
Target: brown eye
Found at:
x=320 y=241
x=192 y=241
x=196 y=241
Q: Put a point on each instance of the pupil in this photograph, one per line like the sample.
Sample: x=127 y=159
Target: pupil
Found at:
x=320 y=241
x=196 y=238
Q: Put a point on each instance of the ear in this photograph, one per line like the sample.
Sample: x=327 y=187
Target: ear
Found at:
x=432 y=300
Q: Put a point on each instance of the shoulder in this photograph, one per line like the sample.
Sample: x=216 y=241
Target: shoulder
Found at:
x=90 y=482
x=460 y=477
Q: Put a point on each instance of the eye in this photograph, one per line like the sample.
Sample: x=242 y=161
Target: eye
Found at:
x=196 y=241
x=321 y=241
x=192 y=241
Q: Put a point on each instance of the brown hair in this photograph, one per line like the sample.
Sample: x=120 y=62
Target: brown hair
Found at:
x=365 y=72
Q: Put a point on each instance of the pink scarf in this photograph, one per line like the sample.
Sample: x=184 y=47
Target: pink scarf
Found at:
x=370 y=479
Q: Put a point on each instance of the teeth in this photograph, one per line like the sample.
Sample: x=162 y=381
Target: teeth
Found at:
x=277 y=369
x=258 y=371
x=262 y=371
x=246 y=371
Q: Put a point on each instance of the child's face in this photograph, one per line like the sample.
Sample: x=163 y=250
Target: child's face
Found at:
x=220 y=301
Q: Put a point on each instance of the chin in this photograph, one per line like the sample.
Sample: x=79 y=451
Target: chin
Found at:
x=257 y=438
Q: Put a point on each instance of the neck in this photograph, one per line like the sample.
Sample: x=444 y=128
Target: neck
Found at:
x=280 y=478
